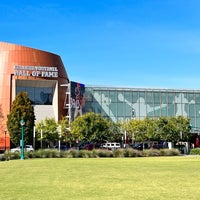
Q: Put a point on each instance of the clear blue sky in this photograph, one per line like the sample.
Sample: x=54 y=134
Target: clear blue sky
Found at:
x=122 y=43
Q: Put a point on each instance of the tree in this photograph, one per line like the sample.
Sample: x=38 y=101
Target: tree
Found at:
x=180 y=128
x=21 y=109
x=64 y=128
x=152 y=127
x=137 y=129
x=115 y=131
x=91 y=127
x=47 y=131
x=170 y=129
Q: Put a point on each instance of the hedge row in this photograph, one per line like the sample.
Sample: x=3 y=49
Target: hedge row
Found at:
x=195 y=151
x=96 y=153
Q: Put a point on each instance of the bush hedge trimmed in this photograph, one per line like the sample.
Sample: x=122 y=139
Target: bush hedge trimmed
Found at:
x=195 y=151
x=95 y=153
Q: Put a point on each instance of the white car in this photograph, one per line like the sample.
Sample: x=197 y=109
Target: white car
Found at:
x=28 y=148
x=111 y=145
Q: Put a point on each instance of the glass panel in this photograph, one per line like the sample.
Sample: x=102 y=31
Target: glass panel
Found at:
x=105 y=100
x=20 y=89
x=164 y=111
x=198 y=123
x=143 y=110
x=134 y=97
x=38 y=96
x=191 y=97
x=105 y=93
x=149 y=97
x=194 y=122
x=113 y=110
x=170 y=110
x=48 y=94
x=164 y=97
x=97 y=96
x=142 y=95
x=198 y=110
x=113 y=96
x=170 y=97
x=191 y=110
x=88 y=96
x=31 y=94
x=128 y=110
x=197 y=99
x=96 y=107
x=150 y=114
x=105 y=103
x=186 y=110
x=127 y=96
x=150 y=109
x=156 y=97
x=88 y=107
x=120 y=112
x=120 y=96
x=157 y=112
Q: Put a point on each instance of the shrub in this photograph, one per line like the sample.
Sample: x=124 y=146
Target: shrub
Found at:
x=118 y=153
x=151 y=152
x=7 y=155
x=47 y=153
x=91 y=154
x=195 y=151
x=51 y=153
x=95 y=153
x=65 y=154
x=129 y=152
x=173 y=152
x=83 y=154
x=39 y=154
x=105 y=153
x=29 y=154
x=2 y=157
x=15 y=155
x=73 y=153
x=55 y=153
x=169 y=152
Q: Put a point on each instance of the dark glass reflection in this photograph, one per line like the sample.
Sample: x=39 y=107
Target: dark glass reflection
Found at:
x=38 y=96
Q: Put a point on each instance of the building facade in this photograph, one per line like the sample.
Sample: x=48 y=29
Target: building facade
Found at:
x=128 y=103
x=43 y=75
x=37 y=72
x=120 y=104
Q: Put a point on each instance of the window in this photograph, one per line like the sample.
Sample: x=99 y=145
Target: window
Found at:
x=38 y=96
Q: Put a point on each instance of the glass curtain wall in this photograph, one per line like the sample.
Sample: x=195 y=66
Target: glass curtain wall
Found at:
x=125 y=104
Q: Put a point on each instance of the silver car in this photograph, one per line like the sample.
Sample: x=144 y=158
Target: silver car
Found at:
x=28 y=148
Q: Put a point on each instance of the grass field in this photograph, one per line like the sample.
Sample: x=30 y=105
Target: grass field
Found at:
x=161 y=178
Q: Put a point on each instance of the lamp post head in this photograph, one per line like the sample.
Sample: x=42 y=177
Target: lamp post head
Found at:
x=22 y=122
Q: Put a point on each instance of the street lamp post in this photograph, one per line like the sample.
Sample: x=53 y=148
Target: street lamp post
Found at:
x=59 y=132
x=5 y=139
x=22 y=122
x=41 y=135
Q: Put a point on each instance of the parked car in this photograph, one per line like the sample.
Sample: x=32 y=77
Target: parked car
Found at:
x=157 y=146
x=89 y=146
x=28 y=148
x=111 y=145
x=138 y=146
x=62 y=147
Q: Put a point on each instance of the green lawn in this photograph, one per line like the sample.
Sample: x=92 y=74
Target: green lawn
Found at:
x=153 y=178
